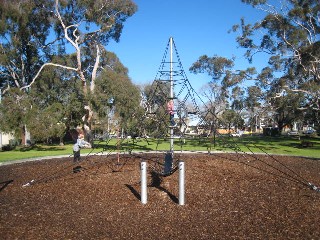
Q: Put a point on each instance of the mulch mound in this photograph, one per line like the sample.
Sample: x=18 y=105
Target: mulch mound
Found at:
x=228 y=196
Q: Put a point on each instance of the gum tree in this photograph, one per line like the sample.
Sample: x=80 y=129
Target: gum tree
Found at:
x=69 y=35
x=289 y=36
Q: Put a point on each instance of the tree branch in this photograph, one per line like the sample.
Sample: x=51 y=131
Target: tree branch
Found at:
x=75 y=44
x=44 y=65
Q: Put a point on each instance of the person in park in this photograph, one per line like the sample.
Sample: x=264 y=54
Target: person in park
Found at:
x=170 y=106
x=76 y=151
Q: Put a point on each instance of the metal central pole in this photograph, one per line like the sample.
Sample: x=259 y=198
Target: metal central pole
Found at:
x=171 y=91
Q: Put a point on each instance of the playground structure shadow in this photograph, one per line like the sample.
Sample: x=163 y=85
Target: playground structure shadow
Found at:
x=156 y=183
x=4 y=184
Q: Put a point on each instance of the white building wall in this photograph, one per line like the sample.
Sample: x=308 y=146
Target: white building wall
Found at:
x=5 y=138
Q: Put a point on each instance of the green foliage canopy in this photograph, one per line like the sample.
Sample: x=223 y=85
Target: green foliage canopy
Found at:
x=288 y=36
x=35 y=41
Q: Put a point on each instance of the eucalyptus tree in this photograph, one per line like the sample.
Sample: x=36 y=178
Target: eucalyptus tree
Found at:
x=222 y=72
x=289 y=35
x=65 y=34
x=215 y=103
x=56 y=105
x=225 y=78
x=115 y=91
x=231 y=119
x=155 y=99
x=24 y=28
x=237 y=98
x=253 y=102
x=47 y=109
x=14 y=111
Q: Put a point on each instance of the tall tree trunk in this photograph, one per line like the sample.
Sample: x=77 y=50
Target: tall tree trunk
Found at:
x=25 y=136
x=95 y=68
x=87 y=122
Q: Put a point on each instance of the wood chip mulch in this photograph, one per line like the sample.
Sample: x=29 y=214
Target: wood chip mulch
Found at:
x=227 y=196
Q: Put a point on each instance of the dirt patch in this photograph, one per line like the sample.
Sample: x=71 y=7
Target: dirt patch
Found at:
x=227 y=196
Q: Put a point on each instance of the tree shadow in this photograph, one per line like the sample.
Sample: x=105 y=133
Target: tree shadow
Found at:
x=5 y=184
x=122 y=146
x=40 y=148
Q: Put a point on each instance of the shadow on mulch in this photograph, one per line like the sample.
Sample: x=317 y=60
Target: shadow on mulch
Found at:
x=156 y=183
x=5 y=184
x=134 y=191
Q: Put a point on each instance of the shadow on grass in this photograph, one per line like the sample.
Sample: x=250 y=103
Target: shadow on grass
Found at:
x=256 y=143
x=268 y=144
x=125 y=144
x=285 y=144
x=41 y=148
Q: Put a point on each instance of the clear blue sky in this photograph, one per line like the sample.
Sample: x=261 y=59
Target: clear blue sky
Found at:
x=198 y=27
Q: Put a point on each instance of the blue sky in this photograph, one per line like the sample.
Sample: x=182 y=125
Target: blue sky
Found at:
x=198 y=27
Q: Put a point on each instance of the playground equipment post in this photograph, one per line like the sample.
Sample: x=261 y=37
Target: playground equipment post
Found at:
x=143 y=182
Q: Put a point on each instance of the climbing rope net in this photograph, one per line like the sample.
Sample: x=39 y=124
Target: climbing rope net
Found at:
x=172 y=125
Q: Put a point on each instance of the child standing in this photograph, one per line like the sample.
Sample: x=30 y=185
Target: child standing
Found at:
x=76 y=151
x=170 y=110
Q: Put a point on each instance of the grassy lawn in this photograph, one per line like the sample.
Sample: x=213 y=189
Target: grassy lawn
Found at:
x=257 y=144
x=281 y=145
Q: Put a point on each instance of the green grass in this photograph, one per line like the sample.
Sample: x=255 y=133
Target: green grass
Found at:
x=37 y=151
x=256 y=144
x=280 y=145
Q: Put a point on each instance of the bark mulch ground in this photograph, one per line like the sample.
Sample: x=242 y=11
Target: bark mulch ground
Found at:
x=228 y=196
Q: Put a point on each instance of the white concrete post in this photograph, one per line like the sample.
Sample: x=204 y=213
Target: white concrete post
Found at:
x=143 y=182
x=181 y=182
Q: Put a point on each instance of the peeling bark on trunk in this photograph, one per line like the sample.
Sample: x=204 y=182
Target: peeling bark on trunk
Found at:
x=25 y=136
x=87 y=120
x=94 y=71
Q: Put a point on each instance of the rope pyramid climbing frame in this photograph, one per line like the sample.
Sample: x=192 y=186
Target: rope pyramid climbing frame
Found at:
x=170 y=107
x=171 y=85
